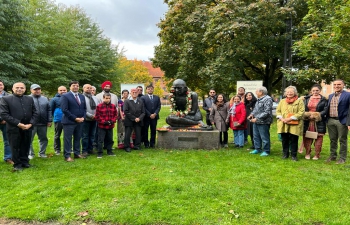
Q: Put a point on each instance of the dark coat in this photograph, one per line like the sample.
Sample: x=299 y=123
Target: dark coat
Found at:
x=71 y=109
x=43 y=108
x=343 y=106
x=15 y=110
x=151 y=107
x=132 y=111
x=322 y=108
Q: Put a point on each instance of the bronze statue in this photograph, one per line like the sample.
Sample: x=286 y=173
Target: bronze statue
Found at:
x=184 y=106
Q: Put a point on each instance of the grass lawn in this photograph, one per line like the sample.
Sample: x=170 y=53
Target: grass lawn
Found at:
x=158 y=186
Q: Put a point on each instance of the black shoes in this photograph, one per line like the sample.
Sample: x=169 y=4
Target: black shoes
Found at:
x=127 y=149
x=294 y=158
x=17 y=169
x=26 y=165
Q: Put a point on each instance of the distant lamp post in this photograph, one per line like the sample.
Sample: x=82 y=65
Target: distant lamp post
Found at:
x=287 y=60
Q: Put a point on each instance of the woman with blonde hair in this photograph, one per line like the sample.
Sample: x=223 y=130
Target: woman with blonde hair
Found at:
x=289 y=115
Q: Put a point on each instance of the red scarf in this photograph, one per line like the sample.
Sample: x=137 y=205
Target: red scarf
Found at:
x=291 y=100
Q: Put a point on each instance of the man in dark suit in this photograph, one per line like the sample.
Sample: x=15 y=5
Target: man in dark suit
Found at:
x=134 y=113
x=338 y=125
x=152 y=108
x=74 y=110
x=19 y=113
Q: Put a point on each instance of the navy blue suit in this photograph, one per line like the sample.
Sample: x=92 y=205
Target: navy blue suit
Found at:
x=71 y=110
x=151 y=107
x=343 y=106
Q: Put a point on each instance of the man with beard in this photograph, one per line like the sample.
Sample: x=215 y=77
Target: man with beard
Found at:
x=43 y=121
x=19 y=112
x=89 y=125
x=106 y=88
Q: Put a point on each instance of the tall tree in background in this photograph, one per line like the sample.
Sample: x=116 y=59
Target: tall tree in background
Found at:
x=42 y=42
x=213 y=43
x=15 y=41
x=131 y=71
x=326 y=44
x=70 y=46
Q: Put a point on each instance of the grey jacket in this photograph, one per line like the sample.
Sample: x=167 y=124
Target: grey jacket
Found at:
x=220 y=117
x=263 y=110
x=208 y=102
x=42 y=106
x=91 y=112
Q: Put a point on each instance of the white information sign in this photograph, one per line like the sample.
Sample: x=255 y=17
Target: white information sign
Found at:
x=250 y=86
x=130 y=86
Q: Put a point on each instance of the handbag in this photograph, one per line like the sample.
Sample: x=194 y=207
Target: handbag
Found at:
x=311 y=134
x=292 y=122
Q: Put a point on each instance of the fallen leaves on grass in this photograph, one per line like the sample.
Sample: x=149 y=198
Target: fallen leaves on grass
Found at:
x=234 y=214
x=83 y=213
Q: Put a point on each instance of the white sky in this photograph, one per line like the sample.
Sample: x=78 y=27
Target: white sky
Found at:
x=129 y=23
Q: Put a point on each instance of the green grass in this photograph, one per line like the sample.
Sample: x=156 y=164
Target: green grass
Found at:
x=158 y=186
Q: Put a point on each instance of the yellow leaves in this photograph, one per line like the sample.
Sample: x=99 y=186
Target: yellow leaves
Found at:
x=83 y=213
x=314 y=36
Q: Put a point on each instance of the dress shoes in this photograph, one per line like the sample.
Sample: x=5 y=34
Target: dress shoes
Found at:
x=136 y=148
x=330 y=159
x=69 y=159
x=79 y=157
x=127 y=149
x=27 y=165
x=340 y=161
x=9 y=161
x=294 y=158
x=285 y=156
x=17 y=169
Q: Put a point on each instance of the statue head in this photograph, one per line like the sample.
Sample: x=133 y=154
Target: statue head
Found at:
x=180 y=87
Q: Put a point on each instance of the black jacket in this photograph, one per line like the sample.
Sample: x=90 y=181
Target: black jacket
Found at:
x=132 y=111
x=322 y=108
x=15 y=110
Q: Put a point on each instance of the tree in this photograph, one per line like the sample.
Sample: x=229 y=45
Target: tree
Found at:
x=131 y=71
x=70 y=47
x=326 y=44
x=213 y=43
x=15 y=41
x=158 y=89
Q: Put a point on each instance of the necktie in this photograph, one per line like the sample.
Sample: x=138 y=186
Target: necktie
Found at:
x=151 y=97
x=76 y=98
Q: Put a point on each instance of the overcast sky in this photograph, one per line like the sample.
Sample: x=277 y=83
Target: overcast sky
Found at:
x=131 y=23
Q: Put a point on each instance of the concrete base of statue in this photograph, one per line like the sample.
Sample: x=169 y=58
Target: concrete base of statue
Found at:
x=178 y=139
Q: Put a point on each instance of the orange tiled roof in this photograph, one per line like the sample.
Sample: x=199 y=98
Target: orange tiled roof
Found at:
x=154 y=72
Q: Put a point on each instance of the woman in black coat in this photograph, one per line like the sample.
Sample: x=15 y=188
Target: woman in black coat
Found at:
x=249 y=102
x=316 y=107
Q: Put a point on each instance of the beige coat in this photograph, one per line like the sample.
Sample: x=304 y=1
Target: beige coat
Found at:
x=220 y=122
x=298 y=109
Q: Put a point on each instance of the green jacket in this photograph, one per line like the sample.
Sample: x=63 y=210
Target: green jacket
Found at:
x=298 y=109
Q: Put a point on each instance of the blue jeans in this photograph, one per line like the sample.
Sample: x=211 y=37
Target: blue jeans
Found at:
x=7 y=149
x=89 y=131
x=238 y=137
x=261 y=134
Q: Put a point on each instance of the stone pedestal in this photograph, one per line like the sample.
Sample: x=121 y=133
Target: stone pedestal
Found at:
x=188 y=139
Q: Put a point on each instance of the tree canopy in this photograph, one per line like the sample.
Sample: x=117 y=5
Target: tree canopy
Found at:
x=42 y=42
x=326 y=44
x=213 y=43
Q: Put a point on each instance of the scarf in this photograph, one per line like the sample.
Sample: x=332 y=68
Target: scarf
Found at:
x=91 y=100
x=232 y=110
x=220 y=104
x=291 y=100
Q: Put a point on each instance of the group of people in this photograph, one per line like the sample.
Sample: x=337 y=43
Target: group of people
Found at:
x=87 y=121
x=307 y=117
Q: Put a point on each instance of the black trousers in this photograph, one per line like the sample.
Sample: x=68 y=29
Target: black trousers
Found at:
x=225 y=136
x=57 y=137
x=20 y=143
x=105 y=136
x=128 y=130
x=289 y=142
x=152 y=124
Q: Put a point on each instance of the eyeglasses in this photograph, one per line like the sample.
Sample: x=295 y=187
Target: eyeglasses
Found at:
x=212 y=92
